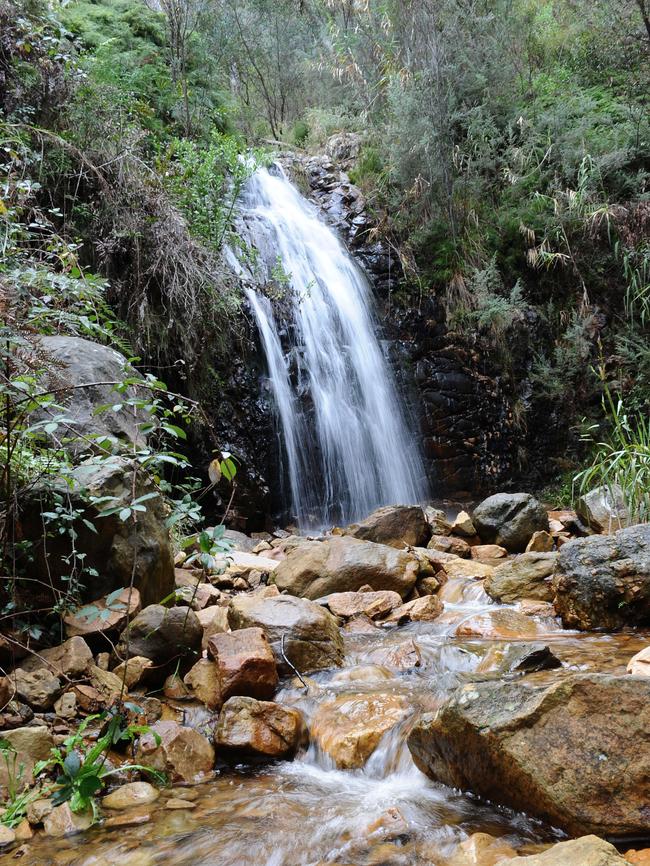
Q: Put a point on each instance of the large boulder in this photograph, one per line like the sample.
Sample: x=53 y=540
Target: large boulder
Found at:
x=574 y=753
x=298 y=630
x=342 y=564
x=395 y=525
x=76 y=362
x=604 y=509
x=527 y=576
x=509 y=519
x=162 y=634
x=118 y=551
x=603 y=581
x=586 y=851
x=259 y=729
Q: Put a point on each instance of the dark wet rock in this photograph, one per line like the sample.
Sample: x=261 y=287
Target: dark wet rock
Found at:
x=571 y=753
x=509 y=519
x=395 y=525
x=341 y=564
x=603 y=581
x=298 y=629
x=162 y=634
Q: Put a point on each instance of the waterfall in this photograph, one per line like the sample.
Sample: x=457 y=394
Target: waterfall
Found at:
x=344 y=431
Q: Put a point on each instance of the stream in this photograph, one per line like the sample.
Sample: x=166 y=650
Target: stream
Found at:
x=306 y=812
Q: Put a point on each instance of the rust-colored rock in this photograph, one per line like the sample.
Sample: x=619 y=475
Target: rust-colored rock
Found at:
x=424 y=609
x=245 y=664
x=260 y=729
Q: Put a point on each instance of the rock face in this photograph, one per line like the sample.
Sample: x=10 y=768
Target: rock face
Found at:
x=527 y=576
x=259 y=729
x=161 y=634
x=349 y=728
x=603 y=509
x=586 y=851
x=184 y=754
x=112 y=549
x=573 y=753
x=509 y=519
x=245 y=664
x=395 y=525
x=604 y=581
x=311 y=635
x=342 y=564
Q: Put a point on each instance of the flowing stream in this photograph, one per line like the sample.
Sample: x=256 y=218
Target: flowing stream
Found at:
x=345 y=433
x=308 y=812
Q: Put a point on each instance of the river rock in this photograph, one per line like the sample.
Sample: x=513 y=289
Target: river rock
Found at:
x=39 y=688
x=395 y=525
x=62 y=821
x=527 y=576
x=240 y=541
x=604 y=509
x=499 y=624
x=69 y=660
x=131 y=794
x=7 y=836
x=469 y=568
x=488 y=552
x=134 y=671
x=523 y=657
x=259 y=729
x=449 y=544
x=372 y=604
x=540 y=542
x=312 y=640
x=463 y=525
x=424 y=609
x=162 y=634
x=572 y=752
x=214 y=620
x=586 y=851
x=481 y=849
x=108 y=613
x=437 y=520
x=245 y=664
x=349 y=728
x=342 y=564
x=509 y=520
x=65 y=707
x=202 y=679
x=639 y=664
x=184 y=754
x=604 y=581
x=32 y=744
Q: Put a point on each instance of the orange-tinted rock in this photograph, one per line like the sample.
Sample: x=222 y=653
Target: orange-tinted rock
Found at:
x=104 y=614
x=424 y=609
x=245 y=663
x=638 y=857
x=203 y=680
x=488 y=552
x=639 y=664
x=481 y=849
x=500 y=624
x=260 y=729
x=540 y=542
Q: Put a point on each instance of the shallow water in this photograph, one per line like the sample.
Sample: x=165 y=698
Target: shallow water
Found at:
x=307 y=812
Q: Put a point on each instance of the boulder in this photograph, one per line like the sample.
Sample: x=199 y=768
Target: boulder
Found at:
x=603 y=581
x=39 y=688
x=105 y=614
x=131 y=794
x=573 y=752
x=202 y=679
x=527 y=576
x=639 y=664
x=509 y=520
x=261 y=729
x=162 y=634
x=372 y=604
x=311 y=635
x=449 y=544
x=342 y=564
x=540 y=542
x=349 y=728
x=586 y=851
x=245 y=664
x=395 y=525
x=184 y=754
x=437 y=520
x=70 y=660
x=603 y=509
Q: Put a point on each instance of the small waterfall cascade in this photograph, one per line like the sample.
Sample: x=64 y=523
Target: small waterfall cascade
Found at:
x=344 y=430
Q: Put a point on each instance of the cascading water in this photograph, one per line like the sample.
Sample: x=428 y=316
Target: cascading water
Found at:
x=344 y=430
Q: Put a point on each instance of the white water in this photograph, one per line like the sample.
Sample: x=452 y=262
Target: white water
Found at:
x=344 y=431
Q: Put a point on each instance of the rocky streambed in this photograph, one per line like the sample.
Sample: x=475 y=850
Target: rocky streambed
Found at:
x=364 y=698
